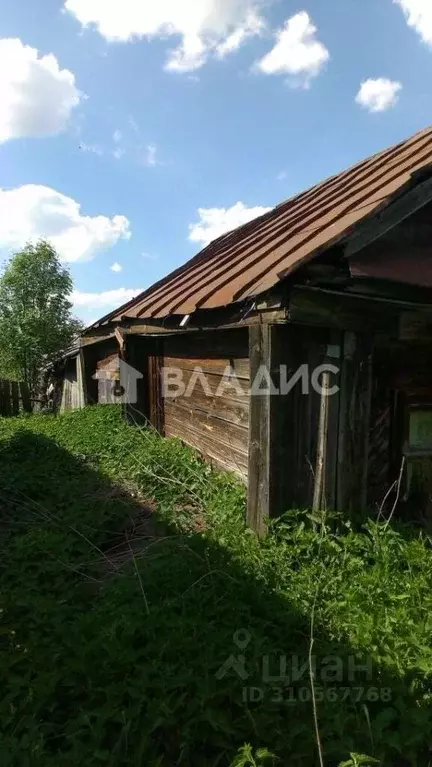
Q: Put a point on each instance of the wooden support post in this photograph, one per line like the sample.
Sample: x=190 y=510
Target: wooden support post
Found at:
x=261 y=471
x=7 y=398
x=155 y=393
x=82 y=377
x=324 y=496
x=15 y=397
x=354 y=422
x=25 y=398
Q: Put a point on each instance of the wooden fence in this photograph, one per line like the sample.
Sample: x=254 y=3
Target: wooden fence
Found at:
x=14 y=397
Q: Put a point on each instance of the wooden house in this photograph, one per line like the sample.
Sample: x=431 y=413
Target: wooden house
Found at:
x=339 y=279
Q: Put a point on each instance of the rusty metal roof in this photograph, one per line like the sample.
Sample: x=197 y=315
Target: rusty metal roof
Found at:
x=255 y=257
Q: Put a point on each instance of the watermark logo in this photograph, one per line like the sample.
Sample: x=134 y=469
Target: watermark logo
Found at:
x=321 y=379
x=117 y=382
x=279 y=677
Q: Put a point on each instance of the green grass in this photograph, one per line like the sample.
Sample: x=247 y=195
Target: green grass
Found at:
x=105 y=666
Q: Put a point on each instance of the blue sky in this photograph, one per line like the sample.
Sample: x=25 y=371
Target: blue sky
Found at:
x=152 y=127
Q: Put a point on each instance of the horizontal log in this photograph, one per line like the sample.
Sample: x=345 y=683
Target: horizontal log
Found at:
x=222 y=408
x=239 y=391
x=226 y=435
x=342 y=311
x=229 y=344
x=230 y=459
x=214 y=366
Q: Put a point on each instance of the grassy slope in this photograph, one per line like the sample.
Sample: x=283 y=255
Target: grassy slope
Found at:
x=121 y=669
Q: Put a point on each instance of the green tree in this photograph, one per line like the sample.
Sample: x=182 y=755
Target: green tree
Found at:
x=36 y=321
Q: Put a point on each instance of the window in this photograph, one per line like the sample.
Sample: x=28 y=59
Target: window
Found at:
x=418 y=454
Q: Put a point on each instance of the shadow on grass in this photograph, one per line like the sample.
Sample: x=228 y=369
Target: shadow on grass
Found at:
x=170 y=655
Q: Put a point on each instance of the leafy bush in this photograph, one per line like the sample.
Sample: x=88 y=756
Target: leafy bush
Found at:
x=143 y=624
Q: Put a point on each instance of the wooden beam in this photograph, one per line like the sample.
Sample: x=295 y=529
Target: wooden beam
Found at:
x=95 y=339
x=415 y=326
x=7 y=402
x=25 y=398
x=375 y=226
x=343 y=311
x=155 y=394
x=354 y=422
x=15 y=397
x=83 y=367
x=258 y=318
x=261 y=470
x=136 y=355
x=325 y=483
x=120 y=336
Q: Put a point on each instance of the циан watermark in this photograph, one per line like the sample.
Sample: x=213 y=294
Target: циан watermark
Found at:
x=286 y=678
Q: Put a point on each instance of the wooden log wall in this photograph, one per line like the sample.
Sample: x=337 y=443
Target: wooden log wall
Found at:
x=354 y=422
x=217 y=426
x=72 y=396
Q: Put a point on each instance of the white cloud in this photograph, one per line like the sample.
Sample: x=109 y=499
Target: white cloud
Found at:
x=378 y=95
x=116 y=267
x=254 y=25
x=204 y=26
x=297 y=52
x=30 y=212
x=217 y=221
x=119 y=152
x=85 y=303
x=133 y=124
x=418 y=14
x=151 y=155
x=91 y=148
x=36 y=96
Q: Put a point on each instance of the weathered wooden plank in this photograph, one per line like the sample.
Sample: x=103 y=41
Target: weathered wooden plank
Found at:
x=260 y=471
x=325 y=475
x=379 y=223
x=15 y=397
x=354 y=422
x=295 y=416
x=229 y=344
x=216 y=407
x=342 y=311
x=7 y=401
x=212 y=385
x=223 y=408
x=136 y=353
x=415 y=326
x=156 y=400
x=223 y=456
x=25 y=397
x=219 y=367
x=208 y=321
x=229 y=435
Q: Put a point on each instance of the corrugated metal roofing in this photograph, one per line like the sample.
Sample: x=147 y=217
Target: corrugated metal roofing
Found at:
x=256 y=256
